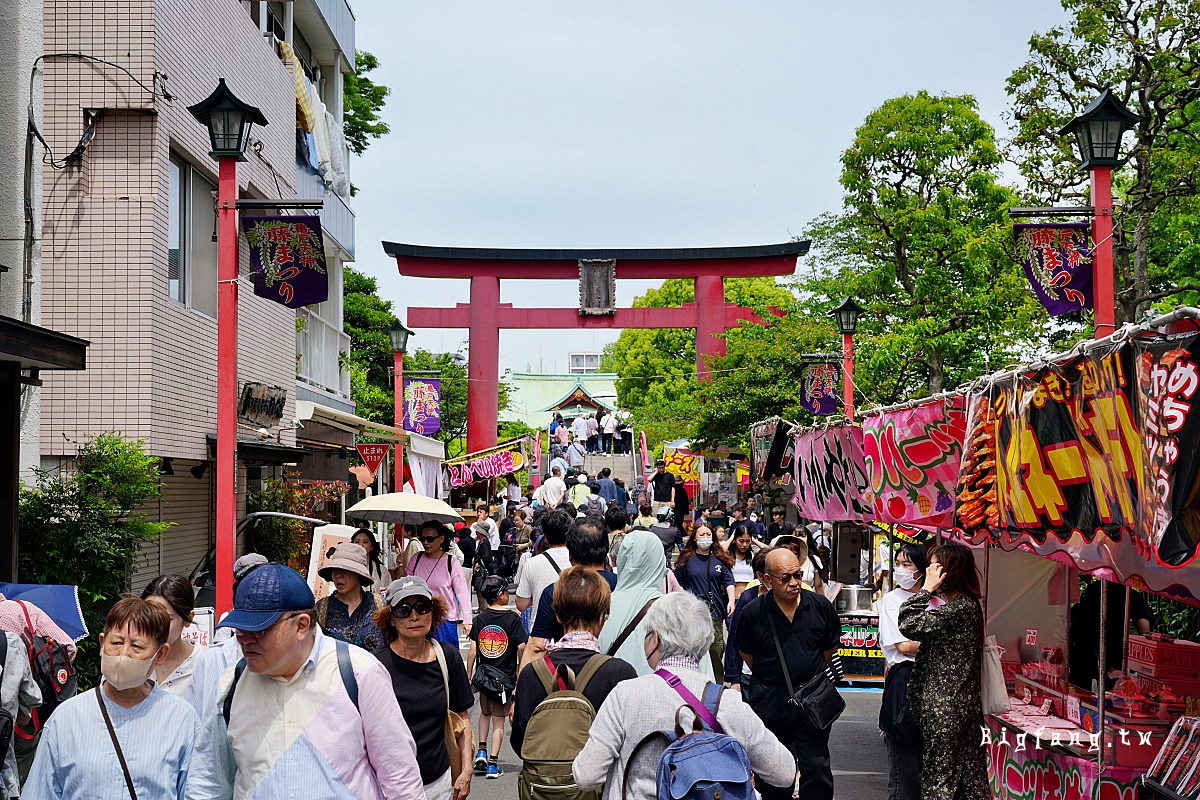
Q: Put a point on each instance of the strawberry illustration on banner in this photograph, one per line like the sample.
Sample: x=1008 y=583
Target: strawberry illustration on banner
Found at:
x=912 y=457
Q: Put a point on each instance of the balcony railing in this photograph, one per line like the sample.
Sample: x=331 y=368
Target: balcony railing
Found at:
x=337 y=218
x=319 y=349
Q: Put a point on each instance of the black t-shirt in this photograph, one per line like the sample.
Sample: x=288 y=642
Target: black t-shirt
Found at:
x=546 y=624
x=776 y=529
x=530 y=690
x=669 y=535
x=814 y=628
x=497 y=633
x=664 y=487
x=422 y=697
x=1085 y=630
x=506 y=526
x=707 y=578
x=467 y=546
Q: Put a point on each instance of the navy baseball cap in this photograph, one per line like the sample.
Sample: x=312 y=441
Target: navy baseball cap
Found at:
x=265 y=595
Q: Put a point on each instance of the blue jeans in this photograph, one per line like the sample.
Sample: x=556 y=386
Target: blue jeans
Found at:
x=606 y=442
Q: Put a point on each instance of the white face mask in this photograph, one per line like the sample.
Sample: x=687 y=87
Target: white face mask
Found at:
x=905 y=578
x=125 y=672
x=704 y=543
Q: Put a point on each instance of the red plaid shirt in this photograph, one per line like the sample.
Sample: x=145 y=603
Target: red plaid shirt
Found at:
x=12 y=619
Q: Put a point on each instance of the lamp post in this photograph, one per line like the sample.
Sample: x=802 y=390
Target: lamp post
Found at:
x=399 y=335
x=846 y=316
x=228 y=120
x=1098 y=131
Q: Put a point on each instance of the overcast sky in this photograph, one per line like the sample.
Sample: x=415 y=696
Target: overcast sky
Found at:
x=638 y=124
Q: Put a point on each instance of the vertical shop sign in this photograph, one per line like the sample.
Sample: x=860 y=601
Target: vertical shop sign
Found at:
x=820 y=388
x=830 y=476
x=287 y=259
x=423 y=405
x=1058 y=264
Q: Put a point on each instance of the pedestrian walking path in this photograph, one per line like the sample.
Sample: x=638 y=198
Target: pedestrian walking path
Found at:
x=622 y=466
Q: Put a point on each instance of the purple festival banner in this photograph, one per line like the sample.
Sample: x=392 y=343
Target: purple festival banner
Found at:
x=820 y=388
x=830 y=475
x=287 y=259
x=1058 y=263
x=423 y=405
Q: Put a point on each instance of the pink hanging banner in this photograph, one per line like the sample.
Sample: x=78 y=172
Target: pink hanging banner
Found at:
x=912 y=458
x=830 y=476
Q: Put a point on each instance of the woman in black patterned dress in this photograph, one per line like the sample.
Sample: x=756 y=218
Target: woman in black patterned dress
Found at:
x=944 y=690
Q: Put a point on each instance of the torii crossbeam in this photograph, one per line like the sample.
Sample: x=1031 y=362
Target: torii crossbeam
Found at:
x=485 y=315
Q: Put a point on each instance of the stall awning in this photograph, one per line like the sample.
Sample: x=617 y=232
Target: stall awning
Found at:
x=40 y=348
x=264 y=452
x=361 y=426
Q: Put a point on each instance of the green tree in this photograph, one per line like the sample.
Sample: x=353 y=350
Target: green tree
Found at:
x=366 y=319
x=1148 y=52
x=83 y=524
x=362 y=100
x=922 y=243
x=657 y=365
x=760 y=377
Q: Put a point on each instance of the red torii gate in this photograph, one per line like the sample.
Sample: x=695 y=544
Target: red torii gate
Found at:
x=485 y=315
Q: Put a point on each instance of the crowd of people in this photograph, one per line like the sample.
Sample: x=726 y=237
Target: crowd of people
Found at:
x=604 y=432
x=611 y=621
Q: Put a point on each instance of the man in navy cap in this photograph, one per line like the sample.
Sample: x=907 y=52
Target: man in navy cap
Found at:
x=302 y=715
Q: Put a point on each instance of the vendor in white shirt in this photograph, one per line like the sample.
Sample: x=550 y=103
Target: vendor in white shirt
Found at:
x=904 y=758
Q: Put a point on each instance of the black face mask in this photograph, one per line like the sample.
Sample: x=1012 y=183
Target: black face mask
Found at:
x=657 y=644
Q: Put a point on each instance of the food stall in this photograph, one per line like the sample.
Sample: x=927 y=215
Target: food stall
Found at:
x=1090 y=462
x=479 y=475
x=710 y=476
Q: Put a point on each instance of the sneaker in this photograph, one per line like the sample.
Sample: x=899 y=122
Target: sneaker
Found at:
x=494 y=771
x=481 y=761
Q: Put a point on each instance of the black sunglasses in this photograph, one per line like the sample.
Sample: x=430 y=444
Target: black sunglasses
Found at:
x=405 y=610
x=428 y=539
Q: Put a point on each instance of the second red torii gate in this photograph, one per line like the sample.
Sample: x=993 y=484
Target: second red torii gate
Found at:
x=485 y=315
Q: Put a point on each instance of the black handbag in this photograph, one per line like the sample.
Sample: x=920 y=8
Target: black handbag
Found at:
x=895 y=717
x=494 y=682
x=818 y=699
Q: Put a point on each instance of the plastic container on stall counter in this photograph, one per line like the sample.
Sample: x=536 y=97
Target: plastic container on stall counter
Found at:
x=1176 y=662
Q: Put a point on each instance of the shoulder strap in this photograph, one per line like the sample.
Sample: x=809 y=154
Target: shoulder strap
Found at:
x=441 y=659
x=553 y=563
x=416 y=560
x=347 y=670
x=449 y=566
x=3 y=649
x=28 y=625
x=547 y=673
x=694 y=702
x=592 y=666
x=787 y=678
x=630 y=628
x=112 y=734
x=227 y=706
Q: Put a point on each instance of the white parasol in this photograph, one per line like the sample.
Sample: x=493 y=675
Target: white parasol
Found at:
x=405 y=508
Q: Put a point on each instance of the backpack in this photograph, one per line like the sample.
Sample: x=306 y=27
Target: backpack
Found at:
x=344 y=667
x=556 y=732
x=7 y=723
x=53 y=672
x=593 y=505
x=705 y=763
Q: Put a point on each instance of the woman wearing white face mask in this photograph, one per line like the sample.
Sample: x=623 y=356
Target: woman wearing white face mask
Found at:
x=127 y=733
x=706 y=571
x=903 y=742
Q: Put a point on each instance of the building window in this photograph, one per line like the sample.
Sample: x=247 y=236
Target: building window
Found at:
x=191 y=251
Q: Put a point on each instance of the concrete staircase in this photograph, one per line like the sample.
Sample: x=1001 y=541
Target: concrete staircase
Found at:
x=622 y=466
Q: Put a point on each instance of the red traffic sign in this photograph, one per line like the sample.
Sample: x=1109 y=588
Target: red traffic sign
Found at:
x=373 y=455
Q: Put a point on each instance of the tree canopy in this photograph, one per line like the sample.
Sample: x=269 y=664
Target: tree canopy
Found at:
x=1148 y=53
x=363 y=99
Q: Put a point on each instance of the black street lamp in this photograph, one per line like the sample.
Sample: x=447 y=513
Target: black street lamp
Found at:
x=228 y=120
x=846 y=315
x=399 y=336
x=1098 y=130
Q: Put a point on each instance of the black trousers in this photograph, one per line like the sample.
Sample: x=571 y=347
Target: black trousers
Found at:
x=811 y=751
x=904 y=771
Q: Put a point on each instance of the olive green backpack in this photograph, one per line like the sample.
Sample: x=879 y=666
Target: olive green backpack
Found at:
x=557 y=731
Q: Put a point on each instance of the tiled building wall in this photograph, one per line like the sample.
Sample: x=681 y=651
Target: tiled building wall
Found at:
x=152 y=364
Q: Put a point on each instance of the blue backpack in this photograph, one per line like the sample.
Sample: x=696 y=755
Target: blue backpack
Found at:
x=704 y=763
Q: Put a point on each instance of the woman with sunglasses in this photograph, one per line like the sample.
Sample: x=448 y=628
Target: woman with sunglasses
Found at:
x=444 y=576
x=417 y=664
